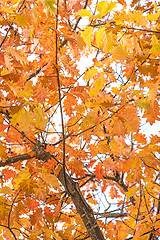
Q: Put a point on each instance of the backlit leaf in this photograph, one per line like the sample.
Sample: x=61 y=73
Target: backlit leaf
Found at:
x=84 y=13
x=87 y=35
x=104 y=8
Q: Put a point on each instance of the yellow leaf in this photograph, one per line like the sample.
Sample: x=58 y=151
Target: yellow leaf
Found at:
x=3 y=207
x=40 y=120
x=49 y=234
x=24 y=120
x=100 y=36
x=115 y=91
x=34 y=234
x=15 y=1
x=153 y=17
x=21 y=176
x=138 y=18
x=98 y=85
x=144 y=103
x=34 y=13
x=90 y=73
x=16 y=89
x=7 y=10
x=87 y=35
x=33 y=237
x=50 y=179
x=131 y=192
x=120 y=53
x=22 y=19
x=27 y=90
x=84 y=13
x=104 y=7
x=110 y=42
x=28 y=186
x=155 y=50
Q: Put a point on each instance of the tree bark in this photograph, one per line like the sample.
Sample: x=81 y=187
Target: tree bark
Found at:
x=84 y=210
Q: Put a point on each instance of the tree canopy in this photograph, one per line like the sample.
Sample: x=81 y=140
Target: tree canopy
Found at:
x=76 y=79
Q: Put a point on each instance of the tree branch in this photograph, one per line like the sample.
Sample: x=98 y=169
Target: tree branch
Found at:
x=84 y=210
x=15 y=159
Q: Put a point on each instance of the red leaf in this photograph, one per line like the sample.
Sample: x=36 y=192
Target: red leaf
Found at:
x=9 y=174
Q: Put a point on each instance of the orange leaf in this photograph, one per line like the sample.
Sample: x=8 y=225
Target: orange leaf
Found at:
x=113 y=192
x=57 y=209
x=123 y=2
x=9 y=174
x=99 y=171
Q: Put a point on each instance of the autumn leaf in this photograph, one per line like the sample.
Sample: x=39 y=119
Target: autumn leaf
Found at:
x=18 y=55
x=49 y=5
x=78 y=80
x=52 y=180
x=113 y=192
x=123 y=2
x=58 y=208
x=32 y=204
x=40 y=120
x=27 y=186
x=3 y=149
x=134 y=2
x=21 y=176
x=87 y=35
x=9 y=174
x=23 y=19
x=155 y=46
x=3 y=207
x=50 y=164
x=40 y=193
x=104 y=8
x=120 y=53
x=99 y=171
x=24 y=118
x=84 y=12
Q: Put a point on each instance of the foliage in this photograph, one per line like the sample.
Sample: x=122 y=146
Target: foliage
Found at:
x=53 y=115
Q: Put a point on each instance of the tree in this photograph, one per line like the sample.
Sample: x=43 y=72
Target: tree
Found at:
x=75 y=162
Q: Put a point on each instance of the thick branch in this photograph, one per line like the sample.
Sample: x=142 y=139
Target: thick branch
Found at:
x=84 y=210
x=15 y=159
